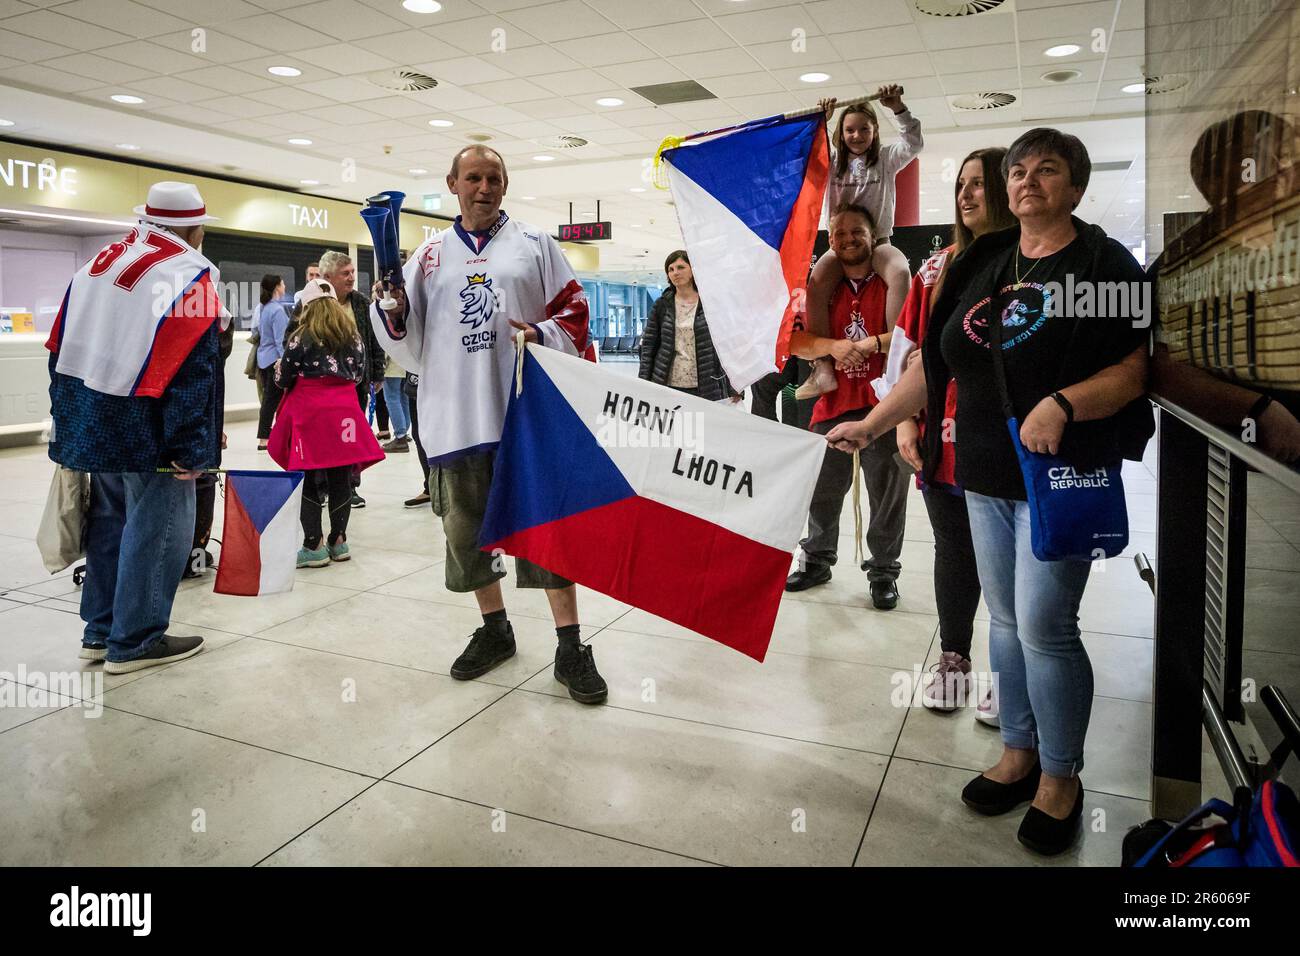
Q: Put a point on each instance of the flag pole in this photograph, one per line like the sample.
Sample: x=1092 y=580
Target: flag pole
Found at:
x=659 y=178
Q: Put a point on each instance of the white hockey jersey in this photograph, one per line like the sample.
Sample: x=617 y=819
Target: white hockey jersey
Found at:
x=462 y=291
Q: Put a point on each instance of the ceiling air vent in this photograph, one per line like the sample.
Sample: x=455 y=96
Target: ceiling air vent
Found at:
x=1061 y=76
x=685 y=91
x=957 y=8
x=403 y=81
x=561 y=142
x=982 y=101
x=1166 y=83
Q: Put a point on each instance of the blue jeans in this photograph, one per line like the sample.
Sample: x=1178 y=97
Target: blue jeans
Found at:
x=398 y=408
x=1044 y=677
x=139 y=531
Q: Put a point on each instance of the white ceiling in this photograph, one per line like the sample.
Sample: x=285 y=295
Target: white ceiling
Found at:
x=519 y=71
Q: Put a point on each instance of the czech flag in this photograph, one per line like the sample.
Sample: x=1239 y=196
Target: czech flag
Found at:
x=748 y=203
x=679 y=506
x=259 y=544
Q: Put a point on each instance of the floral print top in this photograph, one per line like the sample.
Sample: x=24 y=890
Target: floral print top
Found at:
x=305 y=357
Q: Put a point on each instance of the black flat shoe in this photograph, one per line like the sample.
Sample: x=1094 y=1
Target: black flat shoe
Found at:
x=884 y=595
x=808 y=578
x=1045 y=834
x=992 y=798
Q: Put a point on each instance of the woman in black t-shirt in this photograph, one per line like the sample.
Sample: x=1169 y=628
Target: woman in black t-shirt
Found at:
x=1074 y=308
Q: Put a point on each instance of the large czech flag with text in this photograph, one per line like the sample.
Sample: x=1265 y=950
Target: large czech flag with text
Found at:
x=748 y=202
x=259 y=543
x=676 y=505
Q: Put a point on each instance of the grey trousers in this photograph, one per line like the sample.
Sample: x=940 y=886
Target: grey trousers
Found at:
x=885 y=480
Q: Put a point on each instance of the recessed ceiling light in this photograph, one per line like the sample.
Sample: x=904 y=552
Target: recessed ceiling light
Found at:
x=310 y=182
x=527 y=198
x=1185 y=196
x=299 y=141
x=1135 y=88
x=544 y=159
x=609 y=101
x=417 y=172
x=5 y=122
x=126 y=98
x=636 y=225
x=934 y=210
x=637 y=189
x=422 y=6
x=441 y=123
x=284 y=71
x=815 y=77
x=1132 y=201
x=1065 y=49
x=130 y=146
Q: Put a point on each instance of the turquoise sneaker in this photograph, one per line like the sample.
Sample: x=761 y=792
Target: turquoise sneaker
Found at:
x=318 y=558
x=339 y=551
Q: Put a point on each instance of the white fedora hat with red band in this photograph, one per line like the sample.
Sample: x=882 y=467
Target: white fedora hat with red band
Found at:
x=174 y=204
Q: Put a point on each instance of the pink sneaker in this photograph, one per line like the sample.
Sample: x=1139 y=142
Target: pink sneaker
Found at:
x=987 y=712
x=949 y=683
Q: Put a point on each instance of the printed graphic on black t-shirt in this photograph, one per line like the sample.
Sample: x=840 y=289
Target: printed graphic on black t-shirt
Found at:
x=1035 y=338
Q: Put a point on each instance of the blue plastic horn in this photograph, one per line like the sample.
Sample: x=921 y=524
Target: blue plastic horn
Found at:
x=395 y=200
x=378 y=218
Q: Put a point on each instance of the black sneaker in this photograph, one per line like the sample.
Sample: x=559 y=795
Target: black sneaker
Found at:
x=809 y=577
x=190 y=569
x=486 y=649
x=419 y=501
x=169 y=649
x=884 y=595
x=358 y=501
x=575 y=668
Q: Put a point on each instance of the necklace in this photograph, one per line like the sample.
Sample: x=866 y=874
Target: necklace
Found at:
x=1019 y=278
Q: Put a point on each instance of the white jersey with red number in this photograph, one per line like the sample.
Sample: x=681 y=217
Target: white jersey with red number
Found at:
x=462 y=290
x=132 y=314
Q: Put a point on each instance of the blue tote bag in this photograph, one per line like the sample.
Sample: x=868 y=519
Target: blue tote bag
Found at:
x=1073 y=515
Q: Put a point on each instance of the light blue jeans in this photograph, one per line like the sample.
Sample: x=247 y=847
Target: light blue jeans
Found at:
x=1044 y=677
x=399 y=411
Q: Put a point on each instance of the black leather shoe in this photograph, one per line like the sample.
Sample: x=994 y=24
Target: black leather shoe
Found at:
x=884 y=595
x=809 y=577
x=486 y=649
x=1045 y=834
x=992 y=798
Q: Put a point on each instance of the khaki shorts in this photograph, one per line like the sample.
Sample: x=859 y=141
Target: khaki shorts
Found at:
x=459 y=492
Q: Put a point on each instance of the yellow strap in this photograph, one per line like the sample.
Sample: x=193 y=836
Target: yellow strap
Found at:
x=857 y=510
x=519 y=362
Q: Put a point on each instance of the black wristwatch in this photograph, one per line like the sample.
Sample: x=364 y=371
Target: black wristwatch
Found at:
x=1065 y=405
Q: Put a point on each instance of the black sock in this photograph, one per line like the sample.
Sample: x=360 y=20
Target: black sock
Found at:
x=496 y=621
x=569 y=636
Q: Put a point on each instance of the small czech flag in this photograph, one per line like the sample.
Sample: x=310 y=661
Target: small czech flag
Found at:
x=259 y=546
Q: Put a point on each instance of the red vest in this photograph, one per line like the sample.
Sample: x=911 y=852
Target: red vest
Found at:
x=855 y=316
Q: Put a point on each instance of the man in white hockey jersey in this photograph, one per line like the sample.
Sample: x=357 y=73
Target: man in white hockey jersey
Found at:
x=468 y=289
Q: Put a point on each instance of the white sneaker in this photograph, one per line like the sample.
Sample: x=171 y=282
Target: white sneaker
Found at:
x=987 y=712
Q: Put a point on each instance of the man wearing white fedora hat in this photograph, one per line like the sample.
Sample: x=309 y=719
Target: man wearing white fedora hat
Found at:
x=136 y=399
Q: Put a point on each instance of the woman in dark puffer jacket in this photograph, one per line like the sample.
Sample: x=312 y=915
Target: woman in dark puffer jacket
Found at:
x=676 y=349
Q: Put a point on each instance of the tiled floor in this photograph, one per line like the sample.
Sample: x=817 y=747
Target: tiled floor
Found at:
x=321 y=726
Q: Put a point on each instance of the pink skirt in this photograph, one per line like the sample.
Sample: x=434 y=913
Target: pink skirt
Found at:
x=320 y=424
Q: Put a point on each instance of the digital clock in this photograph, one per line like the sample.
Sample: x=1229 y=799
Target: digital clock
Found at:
x=573 y=231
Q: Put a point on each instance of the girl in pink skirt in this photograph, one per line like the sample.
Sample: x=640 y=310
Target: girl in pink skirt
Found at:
x=320 y=428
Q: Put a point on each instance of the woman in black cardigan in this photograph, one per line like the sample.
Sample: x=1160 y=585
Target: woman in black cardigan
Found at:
x=676 y=349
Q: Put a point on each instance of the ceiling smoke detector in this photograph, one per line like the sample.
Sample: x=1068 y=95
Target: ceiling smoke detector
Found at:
x=1061 y=76
x=983 y=101
x=956 y=8
x=561 y=142
x=1166 y=83
x=479 y=137
x=403 y=80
